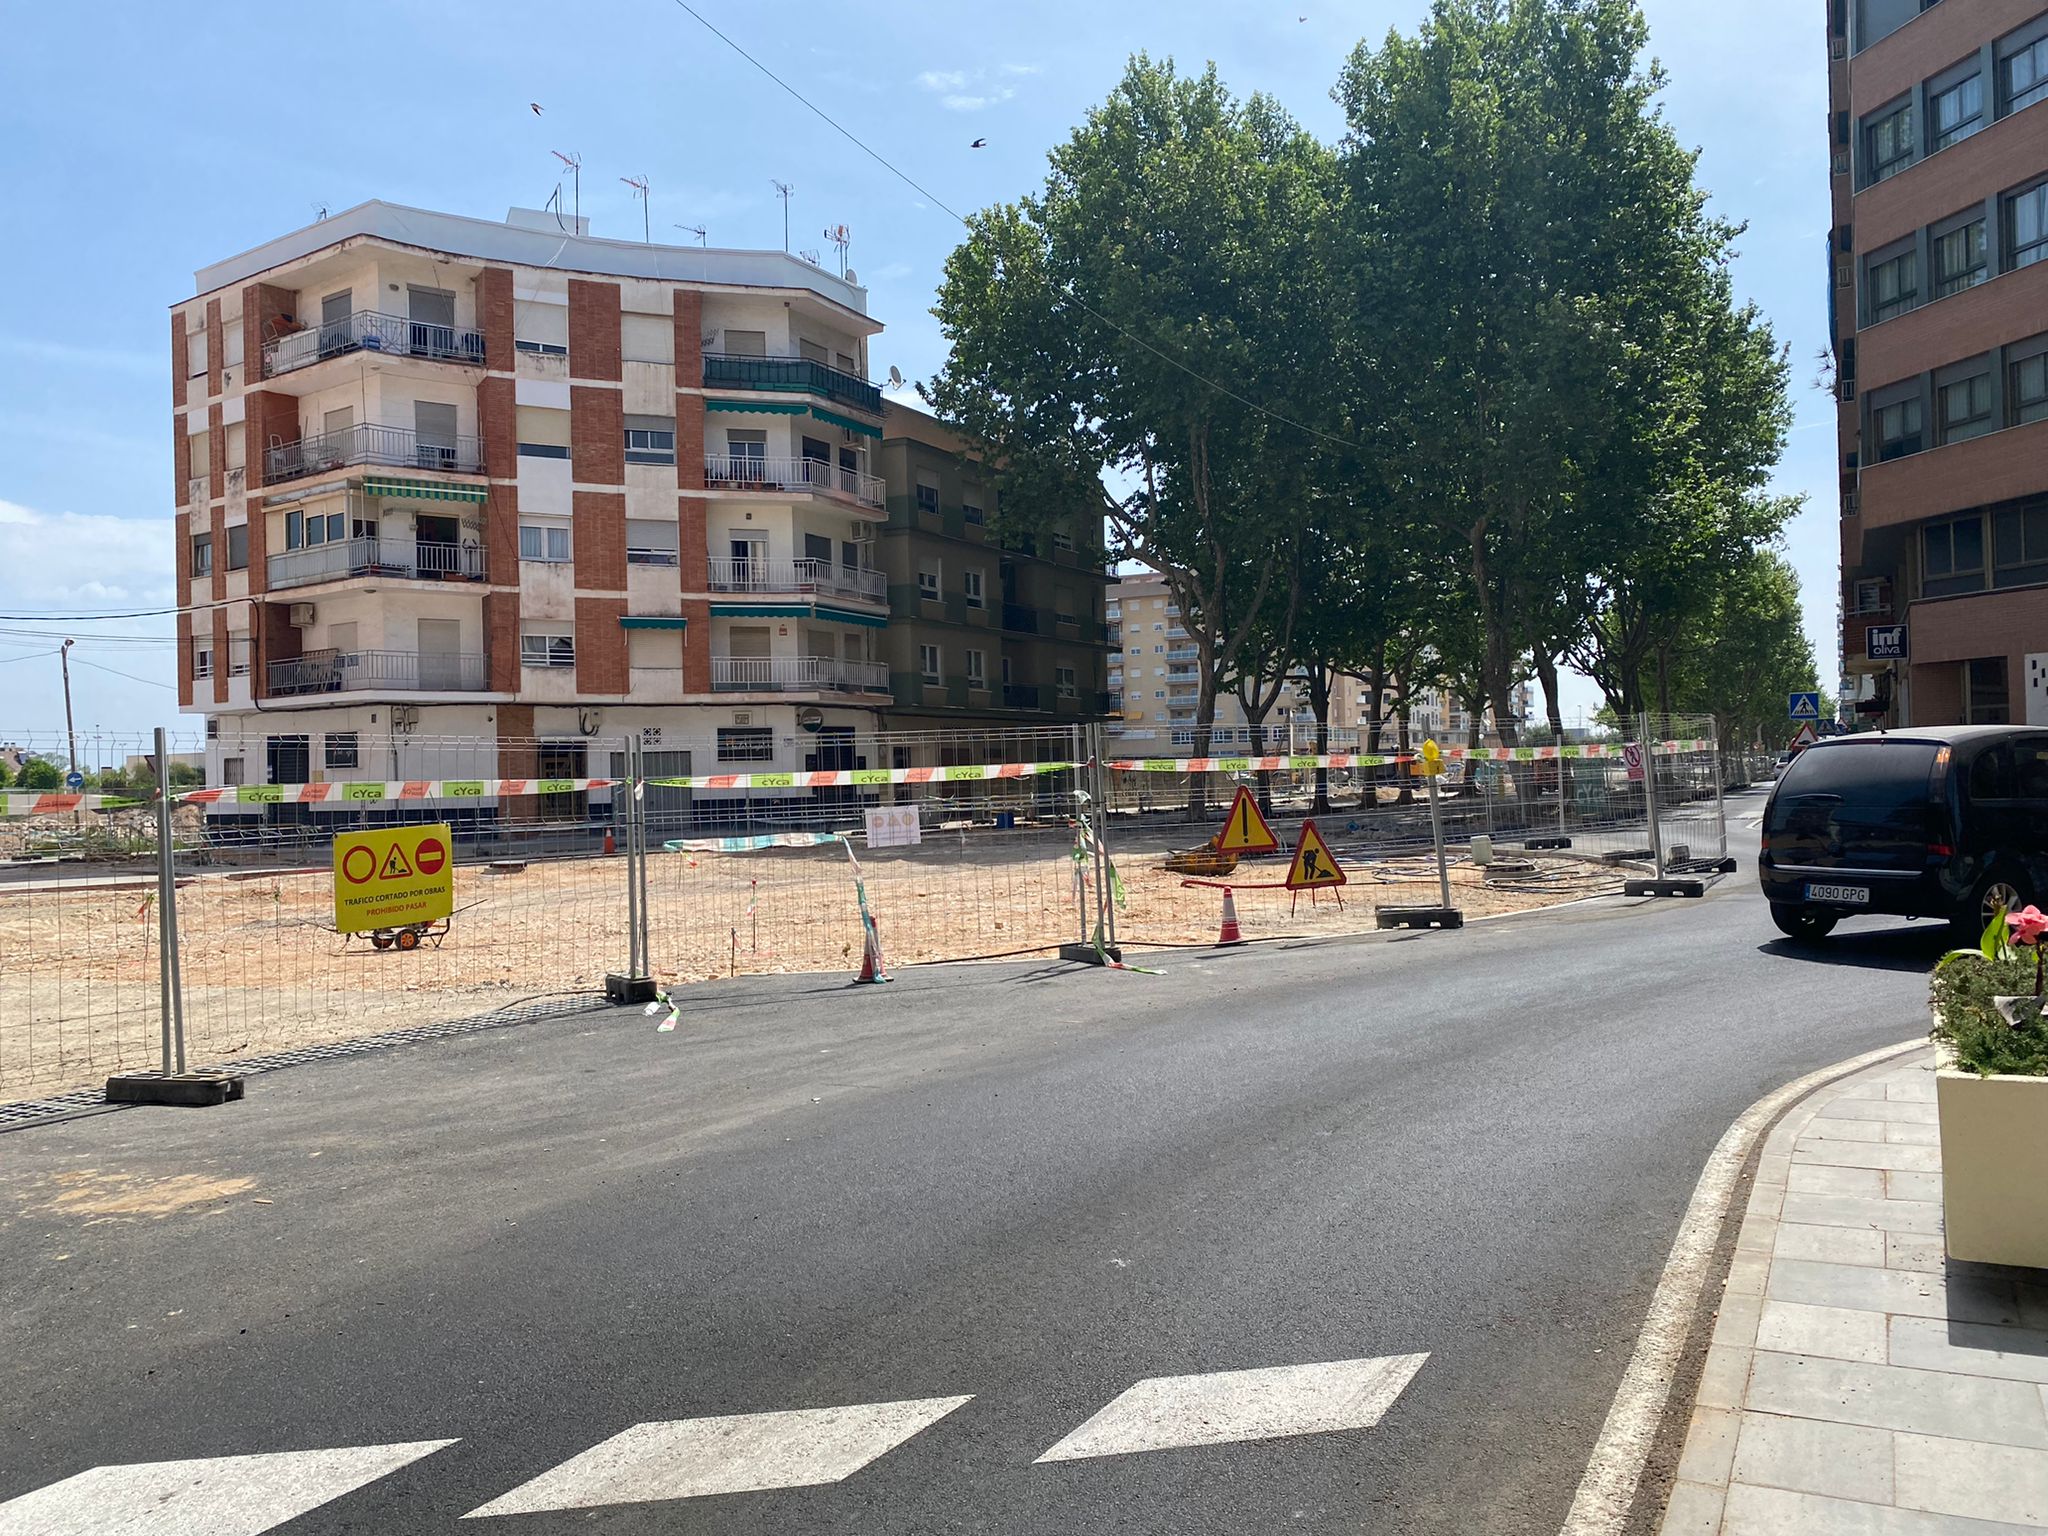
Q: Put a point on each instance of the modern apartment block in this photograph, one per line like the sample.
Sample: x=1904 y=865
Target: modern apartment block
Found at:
x=443 y=477
x=1938 y=287
x=983 y=630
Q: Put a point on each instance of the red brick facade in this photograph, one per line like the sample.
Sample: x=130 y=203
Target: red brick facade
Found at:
x=692 y=540
x=1999 y=467
x=501 y=640
x=216 y=347
x=184 y=631
x=494 y=319
x=1960 y=327
x=600 y=646
x=268 y=415
x=216 y=452
x=600 y=544
x=220 y=636
x=594 y=332
x=181 y=362
x=597 y=436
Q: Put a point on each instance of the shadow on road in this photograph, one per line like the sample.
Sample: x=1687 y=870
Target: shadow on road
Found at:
x=1901 y=948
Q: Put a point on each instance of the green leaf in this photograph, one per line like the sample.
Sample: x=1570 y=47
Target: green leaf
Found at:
x=1993 y=943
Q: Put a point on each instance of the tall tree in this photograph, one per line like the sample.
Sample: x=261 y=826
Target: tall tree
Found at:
x=1140 y=335
x=1746 y=651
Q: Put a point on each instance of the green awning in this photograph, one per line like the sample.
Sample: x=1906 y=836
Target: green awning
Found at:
x=651 y=621
x=425 y=490
x=755 y=407
x=847 y=422
x=796 y=611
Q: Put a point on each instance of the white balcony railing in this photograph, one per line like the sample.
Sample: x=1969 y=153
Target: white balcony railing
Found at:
x=797 y=674
x=742 y=472
x=819 y=577
x=415 y=559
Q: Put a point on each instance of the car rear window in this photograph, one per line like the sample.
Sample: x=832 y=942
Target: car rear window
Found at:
x=1875 y=778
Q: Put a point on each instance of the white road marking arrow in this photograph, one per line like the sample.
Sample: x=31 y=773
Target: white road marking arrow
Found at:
x=1223 y=1406
x=212 y=1496
x=741 y=1453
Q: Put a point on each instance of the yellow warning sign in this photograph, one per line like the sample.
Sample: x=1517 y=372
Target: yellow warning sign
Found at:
x=1430 y=763
x=393 y=876
x=1314 y=866
x=1244 y=829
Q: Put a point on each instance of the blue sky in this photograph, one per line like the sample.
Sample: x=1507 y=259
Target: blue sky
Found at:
x=145 y=141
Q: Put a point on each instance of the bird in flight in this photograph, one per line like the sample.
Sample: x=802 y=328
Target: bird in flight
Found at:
x=536 y=107
x=979 y=144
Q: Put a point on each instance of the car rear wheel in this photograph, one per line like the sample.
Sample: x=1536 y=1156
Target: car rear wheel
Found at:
x=1996 y=892
x=1804 y=923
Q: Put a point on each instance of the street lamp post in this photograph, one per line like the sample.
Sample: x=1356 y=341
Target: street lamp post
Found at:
x=70 y=730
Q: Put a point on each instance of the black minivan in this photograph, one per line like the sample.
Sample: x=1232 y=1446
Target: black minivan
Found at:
x=1946 y=821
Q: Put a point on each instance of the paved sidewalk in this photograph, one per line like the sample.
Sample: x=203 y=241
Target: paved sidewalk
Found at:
x=1858 y=1382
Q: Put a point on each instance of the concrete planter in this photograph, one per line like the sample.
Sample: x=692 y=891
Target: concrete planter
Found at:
x=1994 y=1166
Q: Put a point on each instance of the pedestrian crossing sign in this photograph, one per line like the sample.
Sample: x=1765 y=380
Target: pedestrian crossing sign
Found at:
x=1244 y=829
x=1802 y=706
x=1314 y=866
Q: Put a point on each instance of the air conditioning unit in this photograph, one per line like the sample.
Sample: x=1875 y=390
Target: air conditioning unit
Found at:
x=301 y=615
x=1845 y=273
x=1841 y=162
x=1838 y=47
x=1852 y=503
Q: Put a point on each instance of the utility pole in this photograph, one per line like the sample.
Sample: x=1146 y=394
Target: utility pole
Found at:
x=70 y=730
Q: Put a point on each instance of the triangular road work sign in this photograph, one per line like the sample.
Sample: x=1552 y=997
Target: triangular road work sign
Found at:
x=1314 y=865
x=395 y=867
x=1244 y=829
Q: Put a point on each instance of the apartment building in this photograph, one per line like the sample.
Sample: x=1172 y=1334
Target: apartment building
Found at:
x=444 y=477
x=1938 y=288
x=984 y=629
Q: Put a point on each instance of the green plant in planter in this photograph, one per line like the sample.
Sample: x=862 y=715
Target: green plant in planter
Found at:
x=1967 y=984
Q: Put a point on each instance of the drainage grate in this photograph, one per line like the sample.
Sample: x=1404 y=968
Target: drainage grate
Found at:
x=65 y=1106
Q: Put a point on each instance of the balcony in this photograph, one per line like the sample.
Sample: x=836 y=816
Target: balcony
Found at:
x=369 y=331
x=797 y=674
x=1183 y=653
x=792 y=374
x=787 y=475
x=393 y=447
x=376 y=671
x=409 y=559
x=1023 y=696
x=808 y=578
x=1022 y=619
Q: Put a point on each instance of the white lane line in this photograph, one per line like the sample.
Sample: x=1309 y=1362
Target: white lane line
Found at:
x=1614 y=1472
x=740 y=1453
x=212 y=1496
x=1222 y=1406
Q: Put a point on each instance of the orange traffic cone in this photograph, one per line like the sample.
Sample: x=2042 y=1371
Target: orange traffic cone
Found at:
x=1231 y=933
x=610 y=843
x=871 y=967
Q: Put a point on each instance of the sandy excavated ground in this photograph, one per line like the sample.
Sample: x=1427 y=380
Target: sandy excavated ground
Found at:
x=262 y=972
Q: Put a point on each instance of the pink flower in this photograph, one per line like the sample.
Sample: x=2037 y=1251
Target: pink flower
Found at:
x=2027 y=924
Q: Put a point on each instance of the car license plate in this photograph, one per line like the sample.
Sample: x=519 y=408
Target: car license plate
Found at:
x=1847 y=895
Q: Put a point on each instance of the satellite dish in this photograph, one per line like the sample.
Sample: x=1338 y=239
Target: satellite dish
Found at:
x=895 y=377
x=853 y=277
x=811 y=718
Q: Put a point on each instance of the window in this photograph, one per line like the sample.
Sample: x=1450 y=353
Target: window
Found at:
x=928 y=498
x=813 y=351
x=238 y=547
x=1985 y=701
x=1965 y=408
x=650 y=541
x=746 y=343
x=202 y=661
x=1898 y=429
x=540 y=329
x=977 y=669
x=2024 y=73
x=544 y=542
x=1063 y=682
x=342 y=751
x=1955 y=112
x=1061 y=539
x=2026 y=227
x=195 y=346
x=928 y=662
x=2019 y=546
x=2030 y=388
x=650 y=439
x=1962 y=258
x=1953 y=557
x=844 y=361
x=433 y=425
x=543 y=432
x=547 y=648
x=1888 y=144
x=928 y=583
x=647 y=338
x=970 y=583
x=1894 y=285
x=971 y=515
x=746 y=744
x=540 y=348
x=1063 y=605
x=202 y=554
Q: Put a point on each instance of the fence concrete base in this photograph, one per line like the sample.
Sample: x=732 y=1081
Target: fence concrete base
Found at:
x=1088 y=954
x=188 y=1090
x=1664 y=888
x=1419 y=917
x=626 y=990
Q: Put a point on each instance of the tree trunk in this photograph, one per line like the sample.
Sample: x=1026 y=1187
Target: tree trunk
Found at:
x=1664 y=681
x=1205 y=723
x=1546 y=673
x=1319 y=701
x=1498 y=662
x=1401 y=747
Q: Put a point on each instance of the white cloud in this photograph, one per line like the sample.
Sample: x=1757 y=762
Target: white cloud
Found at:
x=974 y=103
x=965 y=90
x=943 y=79
x=73 y=560
x=1021 y=69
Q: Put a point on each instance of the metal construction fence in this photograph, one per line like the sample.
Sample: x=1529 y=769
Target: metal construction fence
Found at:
x=575 y=861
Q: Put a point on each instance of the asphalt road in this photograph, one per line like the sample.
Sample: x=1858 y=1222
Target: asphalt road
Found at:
x=1034 y=1184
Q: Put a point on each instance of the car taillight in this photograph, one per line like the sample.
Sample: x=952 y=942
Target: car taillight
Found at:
x=1941 y=850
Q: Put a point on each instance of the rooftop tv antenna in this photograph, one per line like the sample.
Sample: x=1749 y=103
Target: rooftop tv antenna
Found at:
x=783 y=190
x=841 y=237
x=811 y=257
x=639 y=186
x=574 y=162
x=693 y=229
